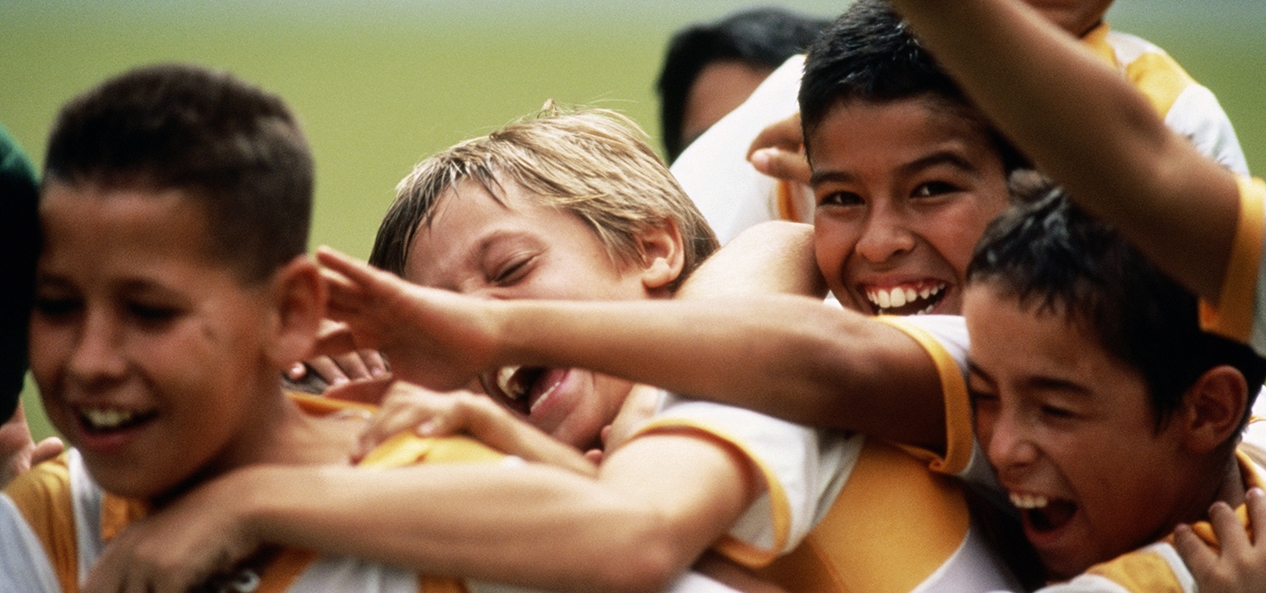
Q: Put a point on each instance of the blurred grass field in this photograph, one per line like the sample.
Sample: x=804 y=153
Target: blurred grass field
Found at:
x=380 y=84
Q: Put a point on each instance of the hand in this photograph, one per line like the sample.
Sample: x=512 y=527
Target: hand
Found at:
x=1240 y=564
x=778 y=151
x=342 y=368
x=19 y=452
x=181 y=546
x=434 y=338
x=430 y=414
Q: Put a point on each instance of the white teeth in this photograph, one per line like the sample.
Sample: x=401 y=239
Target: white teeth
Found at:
x=504 y=376
x=106 y=417
x=898 y=297
x=1028 y=501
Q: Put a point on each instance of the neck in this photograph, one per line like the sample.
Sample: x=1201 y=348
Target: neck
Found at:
x=279 y=433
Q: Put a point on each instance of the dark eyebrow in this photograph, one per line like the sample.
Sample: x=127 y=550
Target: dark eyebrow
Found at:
x=940 y=157
x=1040 y=383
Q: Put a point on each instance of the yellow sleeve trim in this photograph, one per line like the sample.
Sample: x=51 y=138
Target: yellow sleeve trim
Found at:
x=1159 y=78
x=1097 y=41
x=1140 y=571
x=733 y=548
x=959 y=436
x=1234 y=313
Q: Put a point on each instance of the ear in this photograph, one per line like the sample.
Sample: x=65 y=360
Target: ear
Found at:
x=298 y=298
x=663 y=257
x=1213 y=407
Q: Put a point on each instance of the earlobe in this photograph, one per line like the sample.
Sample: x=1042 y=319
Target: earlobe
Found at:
x=663 y=257
x=299 y=305
x=1215 y=404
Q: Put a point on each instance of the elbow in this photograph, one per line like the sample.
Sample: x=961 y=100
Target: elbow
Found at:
x=646 y=560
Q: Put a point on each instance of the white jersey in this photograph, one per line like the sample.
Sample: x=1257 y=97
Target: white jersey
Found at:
x=842 y=512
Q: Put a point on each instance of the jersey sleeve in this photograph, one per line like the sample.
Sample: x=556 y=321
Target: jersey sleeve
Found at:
x=1236 y=314
x=944 y=338
x=802 y=468
x=23 y=561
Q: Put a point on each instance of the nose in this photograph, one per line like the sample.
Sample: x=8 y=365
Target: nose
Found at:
x=1007 y=441
x=885 y=235
x=96 y=357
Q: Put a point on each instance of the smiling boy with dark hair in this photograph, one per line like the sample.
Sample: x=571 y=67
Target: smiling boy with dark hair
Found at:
x=1108 y=416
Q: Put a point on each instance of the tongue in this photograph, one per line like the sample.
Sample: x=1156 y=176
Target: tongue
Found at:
x=544 y=384
x=1052 y=517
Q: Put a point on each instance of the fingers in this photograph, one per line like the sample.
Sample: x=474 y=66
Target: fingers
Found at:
x=1196 y=554
x=370 y=392
x=784 y=133
x=782 y=164
x=334 y=343
x=408 y=407
x=327 y=369
x=778 y=151
x=47 y=449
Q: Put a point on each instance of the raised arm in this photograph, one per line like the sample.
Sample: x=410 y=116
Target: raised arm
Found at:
x=1086 y=127
x=787 y=355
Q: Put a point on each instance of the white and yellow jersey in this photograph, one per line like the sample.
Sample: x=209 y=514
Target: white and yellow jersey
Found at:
x=55 y=521
x=1187 y=107
x=842 y=512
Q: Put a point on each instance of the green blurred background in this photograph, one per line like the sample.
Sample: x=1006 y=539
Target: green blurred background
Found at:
x=379 y=84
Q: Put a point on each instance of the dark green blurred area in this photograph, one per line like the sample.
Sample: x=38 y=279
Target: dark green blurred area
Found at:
x=379 y=85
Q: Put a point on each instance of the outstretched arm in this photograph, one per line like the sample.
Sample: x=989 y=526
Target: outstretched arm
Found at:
x=1086 y=127
x=657 y=504
x=788 y=355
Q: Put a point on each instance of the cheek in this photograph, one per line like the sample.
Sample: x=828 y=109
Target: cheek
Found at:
x=833 y=241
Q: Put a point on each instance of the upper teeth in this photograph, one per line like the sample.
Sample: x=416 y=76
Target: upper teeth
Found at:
x=505 y=375
x=898 y=296
x=107 y=417
x=1028 y=501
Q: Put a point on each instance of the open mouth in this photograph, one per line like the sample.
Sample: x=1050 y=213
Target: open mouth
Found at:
x=1041 y=513
x=522 y=389
x=907 y=299
x=106 y=420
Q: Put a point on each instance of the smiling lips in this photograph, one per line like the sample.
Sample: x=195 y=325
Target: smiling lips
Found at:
x=906 y=299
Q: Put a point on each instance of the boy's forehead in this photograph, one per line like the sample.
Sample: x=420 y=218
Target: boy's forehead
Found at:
x=87 y=220
x=930 y=113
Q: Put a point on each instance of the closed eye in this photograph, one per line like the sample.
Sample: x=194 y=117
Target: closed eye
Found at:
x=513 y=272
x=151 y=315
x=54 y=307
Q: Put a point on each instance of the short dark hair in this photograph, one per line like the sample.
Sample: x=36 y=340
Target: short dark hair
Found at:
x=234 y=148
x=1048 y=254
x=868 y=54
x=759 y=37
x=19 y=242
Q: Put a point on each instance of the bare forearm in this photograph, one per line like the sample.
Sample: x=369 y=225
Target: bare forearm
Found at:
x=789 y=356
x=530 y=525
x=770 y=258
x=1085 y=126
